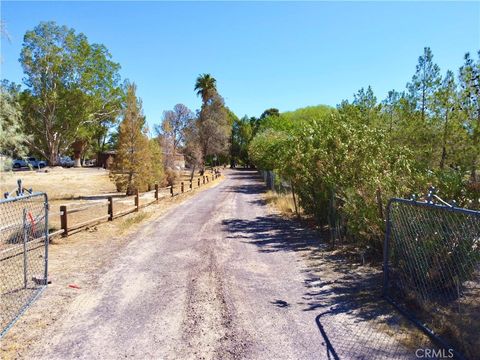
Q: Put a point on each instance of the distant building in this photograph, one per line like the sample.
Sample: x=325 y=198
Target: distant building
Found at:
x=105 y=159
x=178 y=160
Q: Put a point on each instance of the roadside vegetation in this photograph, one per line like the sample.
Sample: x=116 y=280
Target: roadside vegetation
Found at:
x=365 y=151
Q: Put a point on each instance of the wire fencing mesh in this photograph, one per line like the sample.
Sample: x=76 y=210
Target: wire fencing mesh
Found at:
x=432 y=270
x=23 y=254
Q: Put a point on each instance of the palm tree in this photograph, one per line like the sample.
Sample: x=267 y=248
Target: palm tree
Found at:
x=205 y=86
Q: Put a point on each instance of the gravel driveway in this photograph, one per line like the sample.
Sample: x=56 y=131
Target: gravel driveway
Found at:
x=217 y=277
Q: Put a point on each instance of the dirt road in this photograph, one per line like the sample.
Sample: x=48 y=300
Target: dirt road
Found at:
x=212 y=279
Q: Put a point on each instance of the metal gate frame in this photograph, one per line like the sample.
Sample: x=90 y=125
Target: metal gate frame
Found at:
x=386 y=260
x=25 y=228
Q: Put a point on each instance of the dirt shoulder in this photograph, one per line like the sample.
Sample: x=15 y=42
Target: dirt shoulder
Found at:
x=80 y=260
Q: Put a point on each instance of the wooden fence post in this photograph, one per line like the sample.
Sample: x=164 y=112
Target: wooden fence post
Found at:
x=63 y=220
x=110 y=208
x=207 y=178
x=203 y=179
x=198 y=182
x=137 y=200
x=182 y=187
x=156 y=192
x=191 y=186
x=171 y=190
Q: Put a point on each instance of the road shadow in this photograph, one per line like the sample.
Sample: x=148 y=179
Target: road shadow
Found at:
x=355 y=321
x=245 y=186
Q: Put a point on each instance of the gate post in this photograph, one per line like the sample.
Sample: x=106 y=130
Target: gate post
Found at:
x=182 y=187
x=137 y=200
x=47 y=238
x=156 y=192
x=171 y=190
x=25 y=239
x=63 y=220
x=110 y=208
x=198 y=182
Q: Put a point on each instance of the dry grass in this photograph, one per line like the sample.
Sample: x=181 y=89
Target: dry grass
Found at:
x=127 y=223
x=65 y=186
x=281 y=202
x=60 y=183
x=68 y=184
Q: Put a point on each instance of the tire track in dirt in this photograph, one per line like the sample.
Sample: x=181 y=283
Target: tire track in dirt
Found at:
x=209 y=327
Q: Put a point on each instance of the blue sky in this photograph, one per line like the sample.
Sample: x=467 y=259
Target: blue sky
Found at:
x=263 y=54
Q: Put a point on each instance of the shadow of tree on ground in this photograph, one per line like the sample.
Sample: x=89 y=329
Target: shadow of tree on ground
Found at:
x=355 y=323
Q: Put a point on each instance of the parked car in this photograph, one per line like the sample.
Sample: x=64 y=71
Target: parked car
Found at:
x=90 y=162
x=66 y=161
x=31 y=161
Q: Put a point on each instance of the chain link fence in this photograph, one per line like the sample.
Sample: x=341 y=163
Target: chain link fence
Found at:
x=425 y=302
x=23 y=254
x=432 y=271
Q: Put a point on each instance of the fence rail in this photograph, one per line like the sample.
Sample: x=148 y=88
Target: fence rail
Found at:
x=23 y=254
x=127 y=204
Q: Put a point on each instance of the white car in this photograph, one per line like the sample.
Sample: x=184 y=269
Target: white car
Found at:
x=31 y=161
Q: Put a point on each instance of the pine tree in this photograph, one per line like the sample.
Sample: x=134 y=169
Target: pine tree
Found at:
x=425 y=82
x=445 y=100
x=133 y=161
x=470 y=105
x=157 y=173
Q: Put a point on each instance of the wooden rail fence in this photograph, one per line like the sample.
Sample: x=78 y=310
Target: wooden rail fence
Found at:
x=65 y=211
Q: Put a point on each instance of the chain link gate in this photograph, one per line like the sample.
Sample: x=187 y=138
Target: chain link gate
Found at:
x=432 y=271
x=23 y=254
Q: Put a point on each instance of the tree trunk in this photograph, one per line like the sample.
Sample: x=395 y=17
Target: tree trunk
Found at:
x=476 y=145
x=444 y=144
x=77 y=151
x=193 y=172
x=423 y=103
x=52 y=153
x=52 y=158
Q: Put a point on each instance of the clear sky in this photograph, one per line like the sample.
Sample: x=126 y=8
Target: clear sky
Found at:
x=263 y=54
